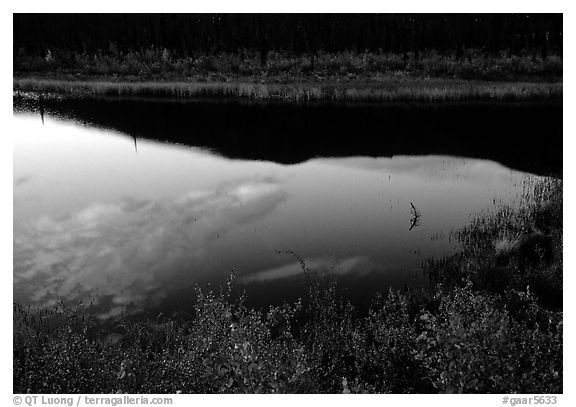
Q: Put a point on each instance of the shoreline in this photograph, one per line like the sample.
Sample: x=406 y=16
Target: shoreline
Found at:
x=388 y=90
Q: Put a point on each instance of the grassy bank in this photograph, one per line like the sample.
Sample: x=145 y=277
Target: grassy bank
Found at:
x=491 y=323
x=381 y=91
x=342 y=76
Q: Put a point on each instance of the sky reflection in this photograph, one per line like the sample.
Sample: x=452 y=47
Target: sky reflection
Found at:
x=94 y=217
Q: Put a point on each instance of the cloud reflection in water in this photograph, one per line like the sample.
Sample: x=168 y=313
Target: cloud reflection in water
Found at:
x=136 y=229
x=354 y=265
x=126 y=250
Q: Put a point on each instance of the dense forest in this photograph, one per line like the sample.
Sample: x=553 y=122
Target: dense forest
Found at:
x=185 y=34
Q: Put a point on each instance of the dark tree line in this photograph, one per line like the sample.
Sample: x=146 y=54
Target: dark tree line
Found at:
x=185 y=34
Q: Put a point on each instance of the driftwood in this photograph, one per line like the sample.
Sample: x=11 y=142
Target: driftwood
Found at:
x=414 y=221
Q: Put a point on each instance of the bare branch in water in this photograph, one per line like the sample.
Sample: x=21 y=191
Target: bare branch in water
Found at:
x=414 y=221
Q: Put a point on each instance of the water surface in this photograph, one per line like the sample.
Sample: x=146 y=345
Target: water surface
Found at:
x=135 y=226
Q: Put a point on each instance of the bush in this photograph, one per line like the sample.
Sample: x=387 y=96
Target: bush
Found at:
x=469 y=342
x=162 y=63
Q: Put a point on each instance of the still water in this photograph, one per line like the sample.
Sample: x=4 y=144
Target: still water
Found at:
x=134 y=224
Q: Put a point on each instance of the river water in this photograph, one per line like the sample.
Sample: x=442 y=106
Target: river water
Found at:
x=133 y=224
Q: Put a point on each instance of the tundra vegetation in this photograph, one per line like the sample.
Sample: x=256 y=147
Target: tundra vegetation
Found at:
x=350 y=57
x=491 y=319
x=490 y=322
x=345 y=76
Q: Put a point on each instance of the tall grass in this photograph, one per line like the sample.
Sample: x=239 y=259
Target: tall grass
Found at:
x=491 y=258
x=383 y=91
x=343 y=76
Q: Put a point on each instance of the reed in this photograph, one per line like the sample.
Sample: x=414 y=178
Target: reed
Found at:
x=388 y=91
